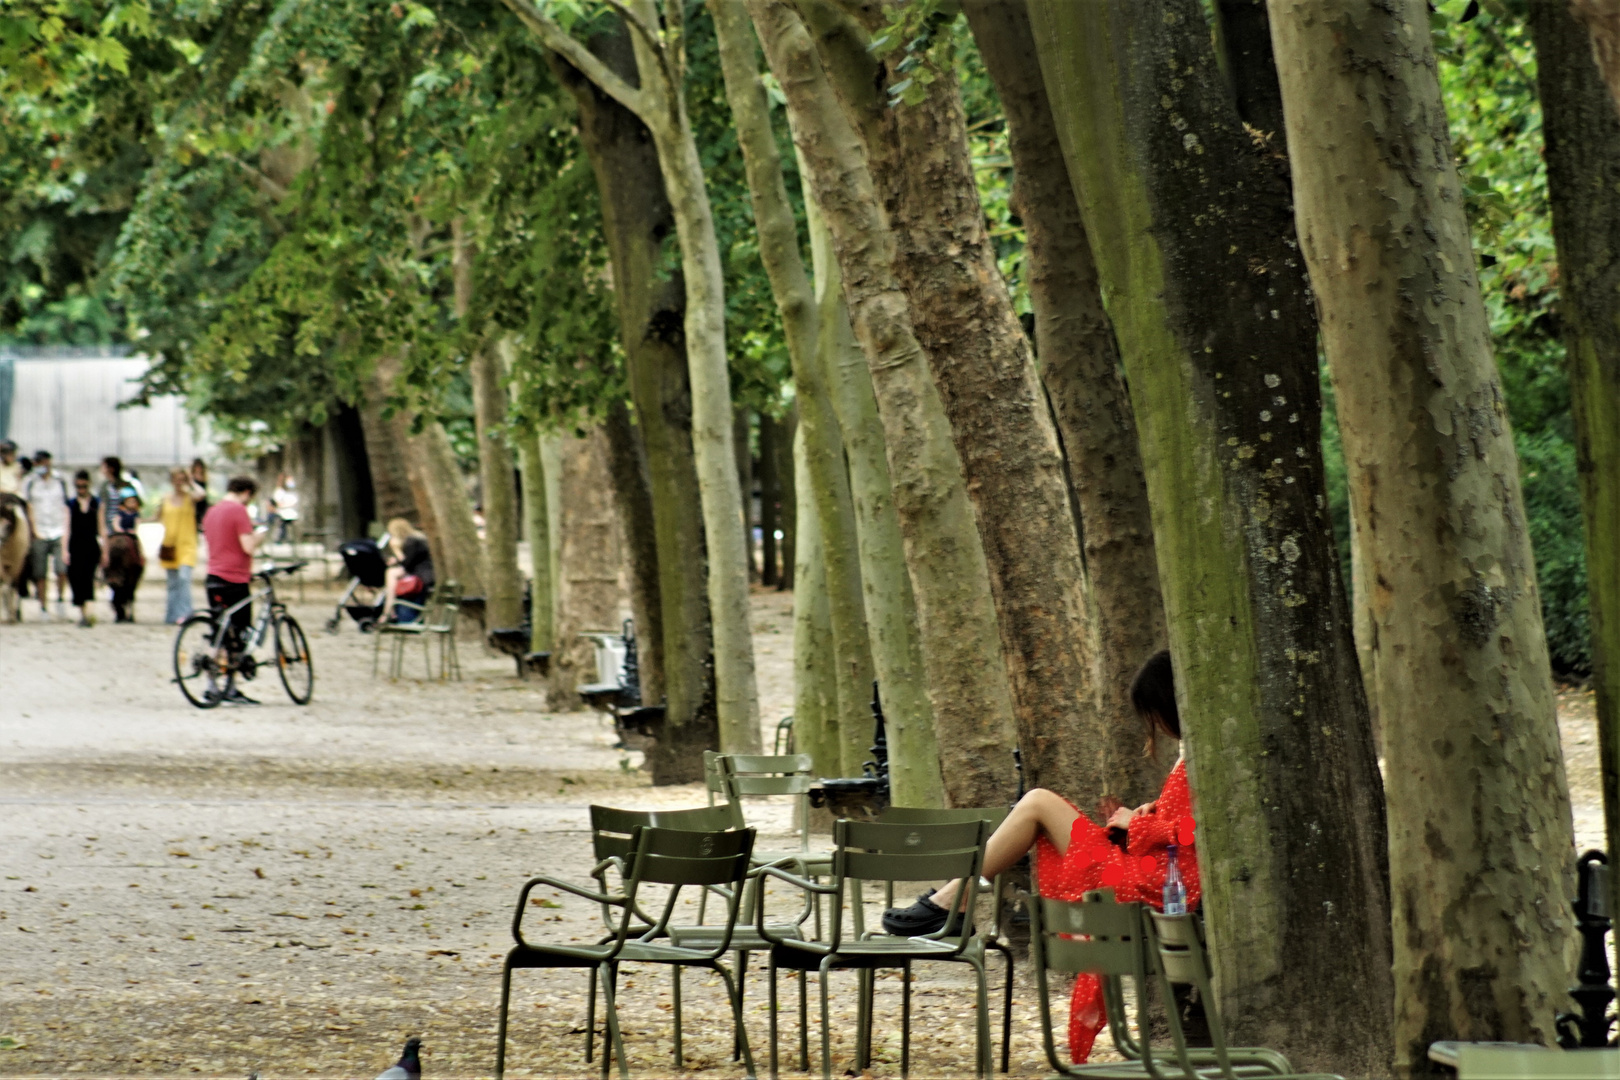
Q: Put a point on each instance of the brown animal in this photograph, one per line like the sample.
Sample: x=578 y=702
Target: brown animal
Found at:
x=15 y=538
x=125 y=565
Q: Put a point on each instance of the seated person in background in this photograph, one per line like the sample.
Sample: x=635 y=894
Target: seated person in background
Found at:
x=410 y=571
x=1074 y=855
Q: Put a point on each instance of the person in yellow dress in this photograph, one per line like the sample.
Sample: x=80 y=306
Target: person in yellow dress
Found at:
x=178 y=555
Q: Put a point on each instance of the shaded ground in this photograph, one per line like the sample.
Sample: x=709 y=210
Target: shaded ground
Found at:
x=293 y=890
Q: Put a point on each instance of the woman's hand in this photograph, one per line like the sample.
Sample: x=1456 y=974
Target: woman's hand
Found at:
x=1121 y=818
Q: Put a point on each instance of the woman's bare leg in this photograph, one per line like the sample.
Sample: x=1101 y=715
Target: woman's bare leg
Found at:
x=1037 y=812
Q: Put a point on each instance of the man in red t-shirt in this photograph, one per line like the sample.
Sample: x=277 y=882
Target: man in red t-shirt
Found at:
x=232 y=541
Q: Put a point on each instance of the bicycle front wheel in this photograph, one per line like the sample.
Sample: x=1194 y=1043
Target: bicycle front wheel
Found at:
x=196 y=667
x=293 y=662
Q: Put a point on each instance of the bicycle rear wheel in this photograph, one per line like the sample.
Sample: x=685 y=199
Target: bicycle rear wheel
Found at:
x=293 y=662
x=196 y=668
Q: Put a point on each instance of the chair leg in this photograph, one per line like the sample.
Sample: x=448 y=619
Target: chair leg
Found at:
x=982 y=1063
x=734 y=990
x=742 y=990
x=590 y=1017
x=500 y=1024
x=610 y=1008
x=905 y=1019
x=826 y=1028
x=376 y=650
x=772 y=1013
x=1006 y=1018
x=675 y=999
x=865 y=980
x=804 y=1021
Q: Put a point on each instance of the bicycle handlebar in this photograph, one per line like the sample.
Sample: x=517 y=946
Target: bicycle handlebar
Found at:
x=289 y=568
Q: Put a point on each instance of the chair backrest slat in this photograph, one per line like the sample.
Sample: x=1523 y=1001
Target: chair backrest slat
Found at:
x=928 y=815
x=682 y=857
x=891 y=866
x=613 y=829
x=1109 y=958
x=1101 y=918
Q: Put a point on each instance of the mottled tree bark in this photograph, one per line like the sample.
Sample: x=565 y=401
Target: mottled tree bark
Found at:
x=390 y=485
x=503 y=584
x=636 y=218
x=627 y=460
x=655 y=93
x=815 y=655
x=536 y=527
x=440 y=493
x=956 y=614
x=891 y=613
x=1079 y=364
x=591 y=592
x=1582 y=130
x=770 y=495
x=1480 y=832
x=1191 y=228
x=980 y=358
x=828 y=492
x=1602 y=20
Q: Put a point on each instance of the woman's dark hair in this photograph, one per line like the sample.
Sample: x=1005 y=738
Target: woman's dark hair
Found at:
x=116 y=464
x=82 y=474
x=242 y=483
x=1153 y=695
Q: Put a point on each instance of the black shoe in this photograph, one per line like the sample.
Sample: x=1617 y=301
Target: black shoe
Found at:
x=922 y=918
x=236 y=697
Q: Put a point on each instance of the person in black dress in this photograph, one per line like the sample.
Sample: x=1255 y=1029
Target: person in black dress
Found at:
x=87 y=528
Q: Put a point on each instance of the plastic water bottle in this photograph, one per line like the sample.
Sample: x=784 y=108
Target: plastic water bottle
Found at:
x=1175 y=892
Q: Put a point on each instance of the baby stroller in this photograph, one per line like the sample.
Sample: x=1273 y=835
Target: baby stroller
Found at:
x=363 y=559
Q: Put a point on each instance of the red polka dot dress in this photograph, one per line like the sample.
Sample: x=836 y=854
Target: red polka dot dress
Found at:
x=1136 y=874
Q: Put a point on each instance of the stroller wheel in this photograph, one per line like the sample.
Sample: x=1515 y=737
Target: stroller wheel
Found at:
x=332 y=625
x=367 y=625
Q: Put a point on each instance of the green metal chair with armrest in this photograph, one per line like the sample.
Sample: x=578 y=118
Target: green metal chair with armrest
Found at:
x=612 y=837
x=878 y=851
x=673 y=857
x=994 y=938
x=1177 y=946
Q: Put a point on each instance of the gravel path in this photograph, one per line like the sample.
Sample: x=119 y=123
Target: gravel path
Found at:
x=294 y=890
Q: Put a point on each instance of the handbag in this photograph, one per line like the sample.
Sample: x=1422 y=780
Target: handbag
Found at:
x=409 y=585
x=166 y=553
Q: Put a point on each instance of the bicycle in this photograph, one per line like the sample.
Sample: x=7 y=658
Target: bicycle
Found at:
x=203 y=640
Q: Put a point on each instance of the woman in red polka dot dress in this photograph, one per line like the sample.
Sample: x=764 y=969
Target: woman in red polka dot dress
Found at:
x=1074 y=855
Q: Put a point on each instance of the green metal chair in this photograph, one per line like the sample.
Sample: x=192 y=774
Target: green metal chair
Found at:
x=1113 y=941
x=1180 y=959
x=435 y=618
x=994 y=938
x=612 y=837
x=879 y=851
x=1103 y=938
x=674 y=857
x=735 y=777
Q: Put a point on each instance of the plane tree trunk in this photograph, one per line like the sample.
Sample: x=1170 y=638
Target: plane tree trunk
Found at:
x=956 y=616
x=627 y=459
x=1582 y=130
x=636 y=218
x=1079 y=362
x=980 y=358
x=1192 y=232
x=654 y=92
x=828 y=492
x=1480 y=830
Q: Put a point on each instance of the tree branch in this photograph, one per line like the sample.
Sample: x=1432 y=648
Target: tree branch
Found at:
x=654 y=43
x=565 y=45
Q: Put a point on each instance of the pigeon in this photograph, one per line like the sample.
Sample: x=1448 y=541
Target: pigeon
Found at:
x=409 y=1066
